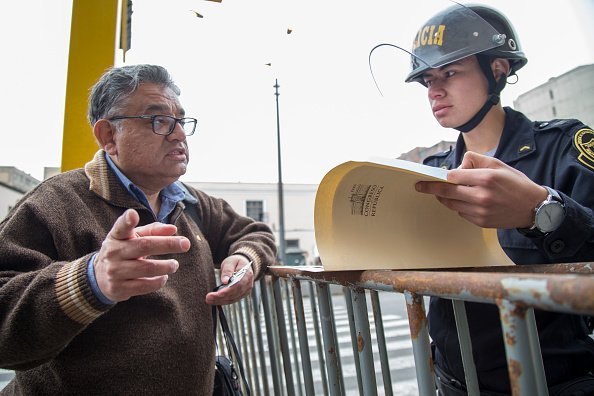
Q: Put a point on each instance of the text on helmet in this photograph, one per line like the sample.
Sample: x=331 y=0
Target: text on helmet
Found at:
x=429 y=35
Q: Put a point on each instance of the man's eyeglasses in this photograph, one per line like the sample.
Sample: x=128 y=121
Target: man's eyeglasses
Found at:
x=164 y=124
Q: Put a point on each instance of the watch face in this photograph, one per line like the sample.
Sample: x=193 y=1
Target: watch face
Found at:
x=550 y=216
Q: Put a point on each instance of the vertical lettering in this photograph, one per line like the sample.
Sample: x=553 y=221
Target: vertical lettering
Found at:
x=424 y=35
x=416 y=43
x=431 y=34
x=438 y=39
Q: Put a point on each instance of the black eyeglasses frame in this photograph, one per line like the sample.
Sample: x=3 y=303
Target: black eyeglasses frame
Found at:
x=181 y=121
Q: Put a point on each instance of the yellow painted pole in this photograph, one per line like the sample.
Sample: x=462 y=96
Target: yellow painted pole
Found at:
x=92 y=51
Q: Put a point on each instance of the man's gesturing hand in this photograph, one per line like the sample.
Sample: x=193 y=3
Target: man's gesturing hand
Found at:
x=121 y=267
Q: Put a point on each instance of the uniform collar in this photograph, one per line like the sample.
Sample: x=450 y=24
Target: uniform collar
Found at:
x=517 y=141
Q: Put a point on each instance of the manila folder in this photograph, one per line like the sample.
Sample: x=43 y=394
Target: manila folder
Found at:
x=368 y=215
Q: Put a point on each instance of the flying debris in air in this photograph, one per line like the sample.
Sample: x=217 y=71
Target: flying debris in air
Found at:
x=197 y=14
x=289 y=31
x=268 y=64
x=215 y=1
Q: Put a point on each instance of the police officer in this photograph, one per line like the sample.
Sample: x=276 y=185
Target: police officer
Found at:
x=533 y=181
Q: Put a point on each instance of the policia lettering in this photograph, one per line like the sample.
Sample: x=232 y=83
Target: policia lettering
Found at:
x=429 y=35
x=584 y=143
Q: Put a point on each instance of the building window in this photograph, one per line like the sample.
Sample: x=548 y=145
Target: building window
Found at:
x=551 y=94
x=292 y=243
x=255 y=210
x=554 y=112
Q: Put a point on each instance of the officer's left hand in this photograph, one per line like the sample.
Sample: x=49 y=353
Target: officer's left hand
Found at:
x=488 y=193
x=239 y=290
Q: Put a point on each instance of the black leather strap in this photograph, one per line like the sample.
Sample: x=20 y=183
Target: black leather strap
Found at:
x=230 y=342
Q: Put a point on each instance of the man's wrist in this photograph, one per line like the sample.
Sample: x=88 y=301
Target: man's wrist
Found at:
x=93 y=282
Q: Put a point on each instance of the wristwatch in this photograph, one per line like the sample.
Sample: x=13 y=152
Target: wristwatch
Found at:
x=548 y=215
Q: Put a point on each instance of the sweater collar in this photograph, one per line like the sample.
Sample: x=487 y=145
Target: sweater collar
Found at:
x=104 y=182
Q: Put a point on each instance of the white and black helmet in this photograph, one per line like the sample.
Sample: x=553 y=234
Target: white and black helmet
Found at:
x=461 y=31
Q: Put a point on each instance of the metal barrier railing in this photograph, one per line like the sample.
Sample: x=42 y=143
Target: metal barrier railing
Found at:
x=280 y=343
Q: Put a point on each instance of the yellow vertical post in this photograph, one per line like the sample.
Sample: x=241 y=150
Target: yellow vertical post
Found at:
x=92 y=51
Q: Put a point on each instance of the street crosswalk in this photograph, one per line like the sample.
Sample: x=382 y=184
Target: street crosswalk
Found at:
x=398 y=344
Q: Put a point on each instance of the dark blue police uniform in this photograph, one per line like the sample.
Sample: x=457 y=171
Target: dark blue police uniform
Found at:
x=558 y=154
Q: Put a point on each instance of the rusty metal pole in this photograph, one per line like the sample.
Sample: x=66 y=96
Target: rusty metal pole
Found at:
x=415 y=305
x=520 y=366
x=330 y=341
x=364 y=342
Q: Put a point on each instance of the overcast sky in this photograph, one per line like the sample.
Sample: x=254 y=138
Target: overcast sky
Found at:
x=330 y=109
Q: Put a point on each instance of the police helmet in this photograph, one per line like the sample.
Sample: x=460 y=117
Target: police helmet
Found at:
x=461 y=31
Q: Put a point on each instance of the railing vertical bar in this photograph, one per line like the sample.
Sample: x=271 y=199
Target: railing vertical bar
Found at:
x=244 y=338
x=417 y=320
x=296 y=365
x=256 y=296
x=338 y=358
x=235 y=326
x=242 y=332
x=348 y=297
x=283 y=337
x=330 y=342
x=320 y=346
x=364 y=345
x=517 y=348
x=232 y=319
x=272 y=350
x=539 y=372
x=220 y=343
x=381 y=342
x=466 y=347
x=255 y=378
x=275 y=336
x=303 y=341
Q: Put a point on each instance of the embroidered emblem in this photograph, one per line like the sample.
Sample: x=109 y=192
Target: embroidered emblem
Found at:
x=584 y=143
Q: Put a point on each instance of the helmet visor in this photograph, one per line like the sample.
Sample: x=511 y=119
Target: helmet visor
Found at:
x=453 y=34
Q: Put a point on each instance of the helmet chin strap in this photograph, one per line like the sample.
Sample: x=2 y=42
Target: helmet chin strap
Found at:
x=495 y=88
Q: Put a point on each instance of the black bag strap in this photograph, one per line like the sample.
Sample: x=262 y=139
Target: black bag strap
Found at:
x=193 y=213
x=230 y=341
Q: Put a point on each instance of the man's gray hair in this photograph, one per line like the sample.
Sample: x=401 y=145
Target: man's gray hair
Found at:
x=109 y=94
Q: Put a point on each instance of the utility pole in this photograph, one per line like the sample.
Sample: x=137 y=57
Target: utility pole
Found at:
x=281 y=209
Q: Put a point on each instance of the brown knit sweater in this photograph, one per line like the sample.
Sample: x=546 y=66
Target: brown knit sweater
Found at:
x=61 y=340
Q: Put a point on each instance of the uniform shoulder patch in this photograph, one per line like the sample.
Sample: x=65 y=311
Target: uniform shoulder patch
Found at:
x=584 y=143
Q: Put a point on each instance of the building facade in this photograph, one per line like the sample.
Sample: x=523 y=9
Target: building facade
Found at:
x=418 y=154
x=569 y=95
x=260 y=202
x=14 y=183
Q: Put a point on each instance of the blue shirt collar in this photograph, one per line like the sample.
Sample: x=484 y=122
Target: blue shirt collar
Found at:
x=170 y=195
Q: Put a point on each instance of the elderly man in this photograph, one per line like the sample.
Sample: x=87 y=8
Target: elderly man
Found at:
x=105 y=278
